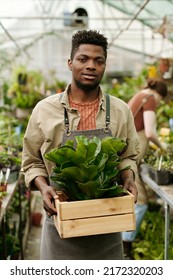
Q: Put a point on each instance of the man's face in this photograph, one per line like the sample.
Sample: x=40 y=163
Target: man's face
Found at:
x=88 y=66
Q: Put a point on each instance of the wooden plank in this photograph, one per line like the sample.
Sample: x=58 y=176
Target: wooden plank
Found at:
x=95 y=207
x=96 y=225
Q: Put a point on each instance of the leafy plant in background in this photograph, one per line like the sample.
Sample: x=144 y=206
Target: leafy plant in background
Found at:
x=24 y=90
x=149 y=244
x=164 y=113
x=88 y=168
x=10 y=141
x=13 y=246
x=53 y=84
x=129 y=87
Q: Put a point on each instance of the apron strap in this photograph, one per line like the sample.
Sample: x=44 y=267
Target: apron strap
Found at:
x=66 y=122
x=107 y=111
x=66 y=119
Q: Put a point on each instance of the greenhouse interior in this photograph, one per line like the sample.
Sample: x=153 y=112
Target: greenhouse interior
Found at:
x=35 y=46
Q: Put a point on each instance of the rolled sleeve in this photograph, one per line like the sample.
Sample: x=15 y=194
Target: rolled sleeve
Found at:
x=32 y=161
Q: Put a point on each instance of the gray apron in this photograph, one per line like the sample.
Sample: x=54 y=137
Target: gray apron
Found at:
x=94 y=247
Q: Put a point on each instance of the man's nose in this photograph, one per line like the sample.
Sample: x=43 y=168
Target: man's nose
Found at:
x=91 y=64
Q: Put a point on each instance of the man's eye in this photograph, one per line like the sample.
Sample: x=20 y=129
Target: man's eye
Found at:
x=82 y=59
x=99 y=61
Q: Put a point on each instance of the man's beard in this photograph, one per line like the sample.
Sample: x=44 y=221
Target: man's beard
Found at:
x=86 y=87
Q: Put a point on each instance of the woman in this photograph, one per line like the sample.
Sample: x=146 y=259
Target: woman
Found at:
x=143 y=106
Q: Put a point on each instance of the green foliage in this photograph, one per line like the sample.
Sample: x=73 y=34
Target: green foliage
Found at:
x=12 y=222
x=23 y=100
x=129 y=87
x=169 y=109
x=10 y=159
x=12 y=244
x=150 y=242
x=87 y=169
x=24 y=89
x=53 y=84
x=164 y=113
x=10 y=141
x=161 y=159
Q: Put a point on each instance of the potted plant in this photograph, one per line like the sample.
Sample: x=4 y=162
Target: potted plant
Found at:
x=24 y=90
x=161 y=170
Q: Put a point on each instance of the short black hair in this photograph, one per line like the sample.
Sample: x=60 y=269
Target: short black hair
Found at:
x=88 y=37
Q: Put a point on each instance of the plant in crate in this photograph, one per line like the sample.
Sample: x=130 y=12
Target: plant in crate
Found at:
x=88 y=168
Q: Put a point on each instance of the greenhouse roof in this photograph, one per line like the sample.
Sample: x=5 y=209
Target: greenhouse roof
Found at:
x=143 y=27
x=149 y=12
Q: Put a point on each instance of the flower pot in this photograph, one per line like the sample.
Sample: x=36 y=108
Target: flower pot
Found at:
x=152 y=173
x=163 y=177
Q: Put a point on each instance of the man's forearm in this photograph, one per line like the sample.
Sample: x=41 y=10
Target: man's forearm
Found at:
x=41 y=183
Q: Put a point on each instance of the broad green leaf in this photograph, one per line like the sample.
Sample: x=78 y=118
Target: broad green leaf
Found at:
x=89 y=188
x=111 y=145
x=90 y=171
x=110 y=192
x=100 y=161
x=74 y=173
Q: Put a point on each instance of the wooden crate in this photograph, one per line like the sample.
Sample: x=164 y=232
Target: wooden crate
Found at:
x=96 y=216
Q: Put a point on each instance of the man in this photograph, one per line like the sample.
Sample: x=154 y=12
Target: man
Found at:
x=80 y=109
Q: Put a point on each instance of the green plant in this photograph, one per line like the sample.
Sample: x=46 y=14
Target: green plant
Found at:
x=129 y=87
x=164 y=113
x=53 y=84
x=10 y=141
x=169 y=109
x=26 y=100
x=88 y=169
x=24 y=90
x=10 y=159
x=149 y=244
x=158 y=159
x=13 y=246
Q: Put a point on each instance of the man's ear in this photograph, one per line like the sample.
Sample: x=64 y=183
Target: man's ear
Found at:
x=70 y=64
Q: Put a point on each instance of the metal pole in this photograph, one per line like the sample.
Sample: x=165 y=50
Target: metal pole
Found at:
x=167 y=223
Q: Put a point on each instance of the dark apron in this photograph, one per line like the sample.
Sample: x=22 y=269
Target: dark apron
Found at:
x=94 y=247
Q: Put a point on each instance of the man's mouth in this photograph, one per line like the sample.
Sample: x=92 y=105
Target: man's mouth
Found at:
x=89 y=76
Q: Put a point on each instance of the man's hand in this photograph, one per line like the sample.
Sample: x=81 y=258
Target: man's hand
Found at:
x=48 y=195
x=129 y=183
